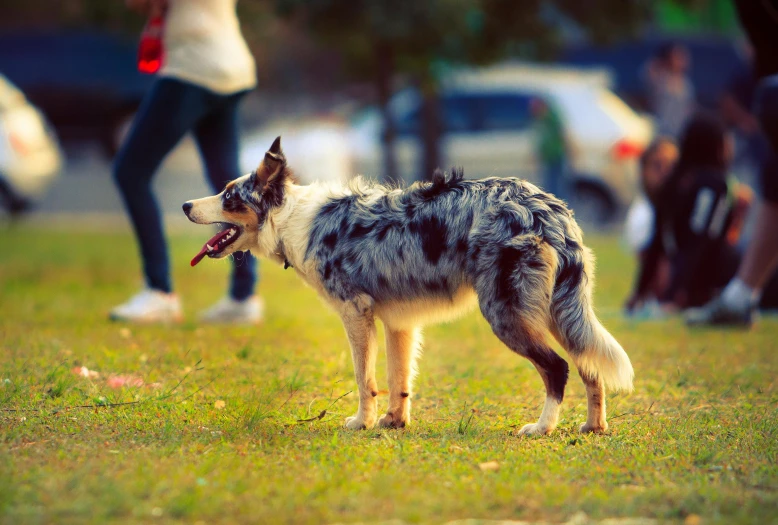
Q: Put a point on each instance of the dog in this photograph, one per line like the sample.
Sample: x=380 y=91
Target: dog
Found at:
x=425 y=254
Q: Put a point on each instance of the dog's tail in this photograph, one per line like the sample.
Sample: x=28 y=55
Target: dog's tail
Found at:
x=593 y=349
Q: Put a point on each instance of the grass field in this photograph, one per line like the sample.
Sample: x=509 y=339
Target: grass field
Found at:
x=244 y=424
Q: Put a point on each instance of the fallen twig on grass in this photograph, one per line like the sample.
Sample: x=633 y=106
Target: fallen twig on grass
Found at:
x=320 y=416
x=323 y=412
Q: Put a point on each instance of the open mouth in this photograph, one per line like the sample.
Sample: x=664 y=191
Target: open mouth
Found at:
x=228 y=235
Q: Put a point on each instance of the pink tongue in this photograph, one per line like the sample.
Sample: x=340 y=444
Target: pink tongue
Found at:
x=204 y=250
x=199 y=256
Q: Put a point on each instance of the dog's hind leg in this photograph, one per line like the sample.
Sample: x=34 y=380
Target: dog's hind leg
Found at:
x=600 y=359
x=515 y=297
x=524 y=338
x=595 y=396
x=357 y=316
x=402 y=348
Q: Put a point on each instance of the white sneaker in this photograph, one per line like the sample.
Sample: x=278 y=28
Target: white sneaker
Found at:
x=722 y=314
x=230 y=311
x=149 y=306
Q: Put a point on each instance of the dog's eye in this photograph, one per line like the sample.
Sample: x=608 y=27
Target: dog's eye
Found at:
x=228 y=195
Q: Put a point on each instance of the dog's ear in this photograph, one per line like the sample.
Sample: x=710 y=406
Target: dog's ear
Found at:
x=271 y=167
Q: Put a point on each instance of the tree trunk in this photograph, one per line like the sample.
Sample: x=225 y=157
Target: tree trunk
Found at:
x=431 y=129
x=384 y=59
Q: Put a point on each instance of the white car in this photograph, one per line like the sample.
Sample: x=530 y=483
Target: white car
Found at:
x=488 y=130
x=30 y=158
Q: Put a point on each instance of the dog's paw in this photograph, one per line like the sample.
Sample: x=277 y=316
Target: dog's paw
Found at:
x=390 y=421
x=356 y=423
x=534 y=429
x=598 y=428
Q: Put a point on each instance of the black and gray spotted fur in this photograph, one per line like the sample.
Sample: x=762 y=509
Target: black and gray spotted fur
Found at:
x=434 y=238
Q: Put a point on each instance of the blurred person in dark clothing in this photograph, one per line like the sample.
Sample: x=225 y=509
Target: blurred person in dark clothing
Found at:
x=551 y=148
x=670 y=92
x=738 y=302
x=656 y=165
x=205 y=70
x=736 y=107
x=699 y=212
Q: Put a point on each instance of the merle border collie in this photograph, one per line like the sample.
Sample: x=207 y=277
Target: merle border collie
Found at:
x=428 y=253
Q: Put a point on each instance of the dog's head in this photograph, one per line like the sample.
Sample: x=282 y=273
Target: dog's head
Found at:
x=243 y=207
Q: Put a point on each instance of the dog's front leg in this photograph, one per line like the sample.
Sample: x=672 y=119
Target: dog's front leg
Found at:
x=401 y=353
x=357 y=316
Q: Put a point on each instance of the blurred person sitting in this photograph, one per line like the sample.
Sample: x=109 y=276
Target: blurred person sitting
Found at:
x=699 y=213
x=551 y=148
x=671 y=97
x=656 y=164
x=206 y=70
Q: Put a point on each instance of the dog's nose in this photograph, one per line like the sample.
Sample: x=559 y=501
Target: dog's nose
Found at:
x=187 y=207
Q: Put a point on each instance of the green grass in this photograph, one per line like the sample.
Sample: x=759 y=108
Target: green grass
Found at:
x=699 y=436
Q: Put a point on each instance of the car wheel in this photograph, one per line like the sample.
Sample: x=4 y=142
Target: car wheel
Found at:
x=592 y=205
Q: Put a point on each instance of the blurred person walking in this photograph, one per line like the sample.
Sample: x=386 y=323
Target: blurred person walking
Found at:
x=204 y=70
x=551 y=148
x=737 y=304
x=671 y=96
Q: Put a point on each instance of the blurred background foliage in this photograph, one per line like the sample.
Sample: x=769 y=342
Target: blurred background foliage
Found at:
x=368 y=48
x=333 y=42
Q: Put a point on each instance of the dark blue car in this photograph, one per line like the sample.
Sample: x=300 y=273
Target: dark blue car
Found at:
x=86 y=83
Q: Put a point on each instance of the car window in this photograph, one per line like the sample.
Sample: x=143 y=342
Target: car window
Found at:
x=504 y=112
x=456 y=112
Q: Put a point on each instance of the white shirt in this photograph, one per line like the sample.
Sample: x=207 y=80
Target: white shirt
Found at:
x=204 y=46
x=639 y=224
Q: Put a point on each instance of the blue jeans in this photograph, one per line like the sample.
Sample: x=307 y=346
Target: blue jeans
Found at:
x=170 y=110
